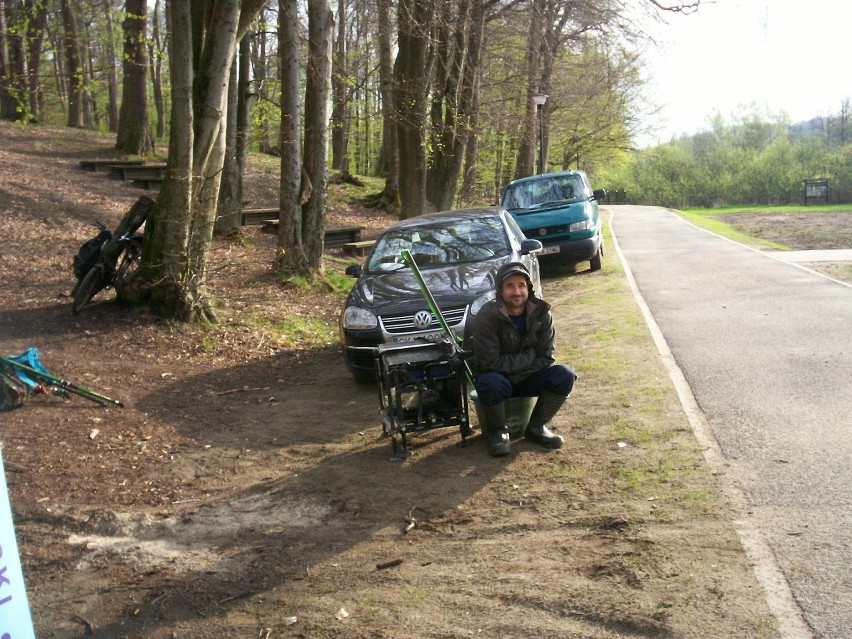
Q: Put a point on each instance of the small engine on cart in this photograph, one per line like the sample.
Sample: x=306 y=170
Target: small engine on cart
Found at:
x=422 y=386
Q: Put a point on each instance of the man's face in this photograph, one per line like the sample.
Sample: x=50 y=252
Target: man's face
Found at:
x=515 y=293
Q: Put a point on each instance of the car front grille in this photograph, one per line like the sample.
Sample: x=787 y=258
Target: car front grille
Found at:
x=405 y=323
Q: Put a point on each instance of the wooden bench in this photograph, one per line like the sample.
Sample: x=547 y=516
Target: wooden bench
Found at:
x=334 y=237
x=342 y=235
x=149 y=184
x=359 y=248
x=106 y=165
x=259 y=216
x=139 y=171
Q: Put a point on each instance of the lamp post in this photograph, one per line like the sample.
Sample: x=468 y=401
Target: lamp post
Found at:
x=539 y=99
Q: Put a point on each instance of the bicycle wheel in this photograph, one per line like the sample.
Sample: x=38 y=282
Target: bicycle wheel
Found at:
x=88 y=287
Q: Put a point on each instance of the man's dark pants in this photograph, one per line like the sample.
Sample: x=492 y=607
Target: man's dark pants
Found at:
x=493 y=388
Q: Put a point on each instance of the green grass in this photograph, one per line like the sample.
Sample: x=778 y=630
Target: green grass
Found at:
x=296 y=331
x=635 y=439
x=788 y=208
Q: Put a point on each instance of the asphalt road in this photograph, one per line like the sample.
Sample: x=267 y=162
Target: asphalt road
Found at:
x=766 y=348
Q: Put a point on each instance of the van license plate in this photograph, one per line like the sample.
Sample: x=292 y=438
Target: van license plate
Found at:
x=549 y=249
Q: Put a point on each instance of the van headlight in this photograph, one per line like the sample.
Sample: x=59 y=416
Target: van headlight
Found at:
x=358 y=319
x=585 y=225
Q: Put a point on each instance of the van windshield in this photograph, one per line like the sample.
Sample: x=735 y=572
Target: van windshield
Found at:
x=549 y=189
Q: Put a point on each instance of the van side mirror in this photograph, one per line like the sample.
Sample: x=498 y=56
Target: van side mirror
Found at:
x=599 y=194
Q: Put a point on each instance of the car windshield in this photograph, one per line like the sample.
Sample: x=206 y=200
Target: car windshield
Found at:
x=531 y=194
x=442 y=242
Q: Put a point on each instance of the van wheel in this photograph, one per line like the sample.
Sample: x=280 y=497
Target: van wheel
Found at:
x=596 y=262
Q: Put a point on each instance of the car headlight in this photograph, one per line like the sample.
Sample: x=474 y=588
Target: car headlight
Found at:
x=585 y=225
x=479 y=302
x=359 y=319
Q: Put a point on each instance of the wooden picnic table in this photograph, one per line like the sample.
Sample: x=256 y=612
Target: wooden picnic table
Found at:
x=139 y=171
x=105 y=165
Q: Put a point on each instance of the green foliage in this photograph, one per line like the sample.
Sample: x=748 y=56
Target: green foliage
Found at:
x=752 y=161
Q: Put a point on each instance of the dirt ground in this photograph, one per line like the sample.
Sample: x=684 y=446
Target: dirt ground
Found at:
x=246 y=491
x=808 y=230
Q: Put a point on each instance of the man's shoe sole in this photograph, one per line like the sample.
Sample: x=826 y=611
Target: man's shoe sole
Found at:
x=550 y=444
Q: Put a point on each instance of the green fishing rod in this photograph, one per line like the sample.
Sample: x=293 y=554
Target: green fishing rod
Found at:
x=62 y=383
x=433 y=306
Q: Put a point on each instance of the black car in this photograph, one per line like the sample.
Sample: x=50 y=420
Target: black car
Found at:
x=458 y=253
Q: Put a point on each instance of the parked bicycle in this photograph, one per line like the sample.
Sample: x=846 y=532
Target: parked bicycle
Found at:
x=97 y=270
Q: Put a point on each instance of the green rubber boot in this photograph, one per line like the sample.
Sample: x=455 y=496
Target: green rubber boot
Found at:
x=496 y=433
x=546 y=407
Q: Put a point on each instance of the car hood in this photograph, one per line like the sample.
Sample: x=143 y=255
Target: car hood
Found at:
x=398 y=291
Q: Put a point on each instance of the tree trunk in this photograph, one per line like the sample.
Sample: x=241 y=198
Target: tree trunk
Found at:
x=180 y=228
x=8 y=110
x=89 y=108
x=229 y=207
x=339 y=137
x=112 y=76
x=229 y=214
x=72 y=66
x=471 y=152
x=525 y=163
x=390 y=145
x=411 y=84
x=452 y=110
x=156 y=57
x=261 y=80
x=35 y=39
x=317 y=89
x=290 y=253
x=134 y=130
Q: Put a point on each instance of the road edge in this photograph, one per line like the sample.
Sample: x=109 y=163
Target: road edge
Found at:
x=779 y=597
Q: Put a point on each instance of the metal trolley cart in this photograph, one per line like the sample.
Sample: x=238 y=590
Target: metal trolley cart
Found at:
x=422 y=386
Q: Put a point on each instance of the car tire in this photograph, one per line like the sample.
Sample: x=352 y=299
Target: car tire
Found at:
x=596 y=262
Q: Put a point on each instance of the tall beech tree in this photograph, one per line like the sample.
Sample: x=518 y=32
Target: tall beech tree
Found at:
x=180 y=226
x=134 y=129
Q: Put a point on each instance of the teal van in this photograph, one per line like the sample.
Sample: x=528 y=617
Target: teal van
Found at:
x=560 y=210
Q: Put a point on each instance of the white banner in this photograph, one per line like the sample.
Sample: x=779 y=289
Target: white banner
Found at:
x=15 y=619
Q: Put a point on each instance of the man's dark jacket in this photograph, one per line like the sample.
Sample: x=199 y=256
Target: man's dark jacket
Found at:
x=498 y=346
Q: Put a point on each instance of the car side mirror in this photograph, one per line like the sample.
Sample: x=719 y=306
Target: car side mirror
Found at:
x=599 y=194
x=530 y=246
x=353 y=270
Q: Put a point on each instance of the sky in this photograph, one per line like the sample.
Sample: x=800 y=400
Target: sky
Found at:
x=788 y=56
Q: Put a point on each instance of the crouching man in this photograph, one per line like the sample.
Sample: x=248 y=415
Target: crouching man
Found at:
x=513 y=342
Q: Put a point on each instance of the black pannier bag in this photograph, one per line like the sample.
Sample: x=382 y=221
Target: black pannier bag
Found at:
x=89 y=253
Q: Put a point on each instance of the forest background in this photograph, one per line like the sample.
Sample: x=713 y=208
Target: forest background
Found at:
x=446 y=100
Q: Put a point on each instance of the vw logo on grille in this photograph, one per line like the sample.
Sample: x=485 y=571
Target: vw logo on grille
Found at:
x=542 y=231
x=422 y=319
